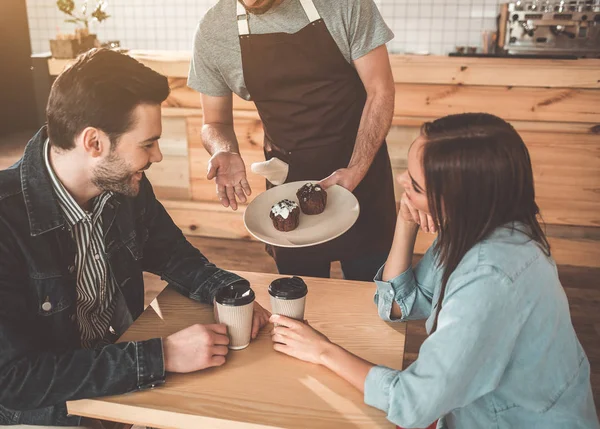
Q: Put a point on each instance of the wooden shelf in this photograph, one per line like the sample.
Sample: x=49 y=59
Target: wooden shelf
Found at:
x=430 y=69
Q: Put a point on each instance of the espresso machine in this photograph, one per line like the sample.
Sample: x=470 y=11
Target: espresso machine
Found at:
x=549 y=27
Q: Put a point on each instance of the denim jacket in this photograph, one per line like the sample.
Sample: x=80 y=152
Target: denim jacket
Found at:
x=42 y=364
x=504 y=355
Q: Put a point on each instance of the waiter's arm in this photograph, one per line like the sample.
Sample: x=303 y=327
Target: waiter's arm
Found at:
x=226 y=165
x=376 y=74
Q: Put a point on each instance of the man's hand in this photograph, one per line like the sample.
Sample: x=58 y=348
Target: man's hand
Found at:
x=260 y=318
x=345 y=177
x=230 y=172
x=196 y=347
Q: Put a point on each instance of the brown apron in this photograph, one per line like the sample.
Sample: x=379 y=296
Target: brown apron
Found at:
x=310 y=100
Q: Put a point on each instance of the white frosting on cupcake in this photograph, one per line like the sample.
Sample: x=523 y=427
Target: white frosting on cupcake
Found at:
x=284 y=208
x=313 y=187
x=305 y=191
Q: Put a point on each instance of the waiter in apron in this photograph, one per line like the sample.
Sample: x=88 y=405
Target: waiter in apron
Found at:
x=319 y=74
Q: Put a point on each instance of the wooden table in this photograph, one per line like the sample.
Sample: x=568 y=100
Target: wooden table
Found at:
x=259 y=387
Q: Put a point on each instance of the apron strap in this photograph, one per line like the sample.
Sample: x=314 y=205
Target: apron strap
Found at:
x=242 y=16
x=310 y=10
x=242 y=19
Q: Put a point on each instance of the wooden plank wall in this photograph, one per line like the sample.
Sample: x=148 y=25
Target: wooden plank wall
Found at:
x=555 y=106
x=171 y=177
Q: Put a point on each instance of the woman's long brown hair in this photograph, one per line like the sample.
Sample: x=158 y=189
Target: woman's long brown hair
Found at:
x=478 y=177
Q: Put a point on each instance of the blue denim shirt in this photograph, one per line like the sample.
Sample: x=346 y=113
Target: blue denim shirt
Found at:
x=504 y=355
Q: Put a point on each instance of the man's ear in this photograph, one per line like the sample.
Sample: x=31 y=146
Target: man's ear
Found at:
x=94 y=142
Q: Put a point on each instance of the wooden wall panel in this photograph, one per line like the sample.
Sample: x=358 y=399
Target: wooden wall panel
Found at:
x=170 y=177
x=566 y=167
x=183 y=96
x=173 y=141
x=567 y=176
x=433 y=101
x=416 y=69
x=559 y=212
x=213 y=220
x=417 y=121
x=482 y=71
x=208 y=219
x=523 y=104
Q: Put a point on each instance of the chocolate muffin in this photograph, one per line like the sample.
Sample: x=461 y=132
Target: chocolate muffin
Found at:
x=285 y=215
x=313 y=199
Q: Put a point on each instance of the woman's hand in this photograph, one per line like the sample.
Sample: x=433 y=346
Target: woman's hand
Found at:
x=408 y=213
x=299 y=340
x=303 y=342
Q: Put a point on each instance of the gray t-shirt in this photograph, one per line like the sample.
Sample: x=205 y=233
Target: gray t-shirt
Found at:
x=216 y=67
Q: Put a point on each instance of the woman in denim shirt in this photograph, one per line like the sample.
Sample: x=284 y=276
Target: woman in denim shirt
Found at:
x=502 y=352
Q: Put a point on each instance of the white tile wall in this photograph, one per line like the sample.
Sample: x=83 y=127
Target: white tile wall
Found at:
x=434 y=26
x=138 y=24
x=438 y=26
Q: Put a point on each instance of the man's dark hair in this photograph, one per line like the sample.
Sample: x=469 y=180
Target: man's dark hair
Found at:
x=101 y=89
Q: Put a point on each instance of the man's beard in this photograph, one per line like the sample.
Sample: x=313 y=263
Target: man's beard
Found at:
x=114 y=175
x=261 y=7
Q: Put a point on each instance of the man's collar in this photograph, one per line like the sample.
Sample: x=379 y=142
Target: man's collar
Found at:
x=72 y=211
x=42 y=208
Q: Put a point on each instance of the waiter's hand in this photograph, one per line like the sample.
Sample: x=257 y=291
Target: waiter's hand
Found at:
x=345 y=177
x=230 y=172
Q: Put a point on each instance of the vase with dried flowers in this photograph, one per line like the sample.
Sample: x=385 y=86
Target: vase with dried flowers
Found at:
x=71 y=45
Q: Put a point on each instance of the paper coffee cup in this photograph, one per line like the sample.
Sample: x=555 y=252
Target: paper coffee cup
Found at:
x=288 y=297
x=234 y=307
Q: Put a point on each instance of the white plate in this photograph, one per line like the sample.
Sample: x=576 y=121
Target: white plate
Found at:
x=340 y=214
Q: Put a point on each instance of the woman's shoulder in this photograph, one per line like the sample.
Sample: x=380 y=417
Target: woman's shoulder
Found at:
x=508 y=251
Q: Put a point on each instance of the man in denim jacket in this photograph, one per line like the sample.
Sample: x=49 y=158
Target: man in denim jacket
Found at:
x=79 y=223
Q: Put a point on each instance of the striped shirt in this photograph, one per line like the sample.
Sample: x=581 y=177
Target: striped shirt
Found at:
x=95 y=286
